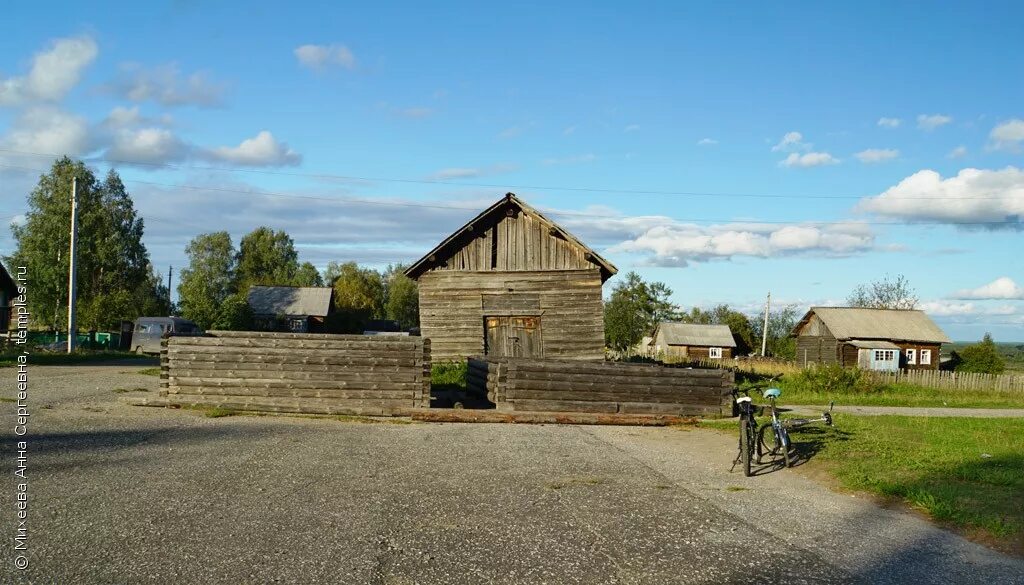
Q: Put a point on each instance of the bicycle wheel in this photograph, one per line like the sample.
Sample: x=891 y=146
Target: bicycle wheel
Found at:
x=766 y=442
x=746 y=445
x=786 y=446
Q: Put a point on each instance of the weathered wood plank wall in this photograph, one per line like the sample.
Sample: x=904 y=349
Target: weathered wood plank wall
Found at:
x=290 y=372
x=605 y=387
x=568 y=304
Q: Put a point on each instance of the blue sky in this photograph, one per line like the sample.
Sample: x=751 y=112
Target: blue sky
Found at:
x=726 y=150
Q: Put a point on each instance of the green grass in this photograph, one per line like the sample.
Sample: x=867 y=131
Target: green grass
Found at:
x=1012 y=352
x=47 y=358
x=967 y=472
x=449 y=375
x=125 y=390
x=848 y=386
x=149 y=372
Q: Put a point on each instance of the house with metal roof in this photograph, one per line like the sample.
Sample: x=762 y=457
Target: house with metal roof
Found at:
x=871 y=339
x=299 y=309
x=692 y=341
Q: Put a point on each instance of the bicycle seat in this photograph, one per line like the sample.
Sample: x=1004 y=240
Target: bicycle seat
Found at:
x=772 y=393
x=742 y=399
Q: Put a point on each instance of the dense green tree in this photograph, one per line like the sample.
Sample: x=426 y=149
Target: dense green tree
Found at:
x=781 y=322
x=633 y=309
x=209 y=278
x=981 y=357
x=402 y=302
x=235 y=314
x=308 y=275
x=112 y=263
x=887 y=293
x=266 y=257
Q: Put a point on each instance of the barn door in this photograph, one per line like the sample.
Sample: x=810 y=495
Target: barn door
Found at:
x=513 y=337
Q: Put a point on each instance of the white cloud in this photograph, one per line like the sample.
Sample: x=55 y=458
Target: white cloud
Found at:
x=569 y=160
x=323 y=56
x=263 y=150
x=707 y=142
x=932 y=121
x=147 y=145
x=47 y=130
x=1003 y=288
x=972 y=196
x=889 y=122
x=791 y=141
x=960 y=309
x=1007 y=135
x=165 y=85
x=671 y=243
x=810 y=159
x=414 y=112
x=53 y=74
x=631 y=128
x=470 y=172
x=876 y=155
x=958 y=152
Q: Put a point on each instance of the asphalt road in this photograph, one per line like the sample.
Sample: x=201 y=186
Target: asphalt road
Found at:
x=125 y=494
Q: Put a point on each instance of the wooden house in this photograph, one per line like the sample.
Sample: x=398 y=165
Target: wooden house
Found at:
x=8 y=292
x=513 y=283
x=692 y=341
x=872 y=339
x=299 y=309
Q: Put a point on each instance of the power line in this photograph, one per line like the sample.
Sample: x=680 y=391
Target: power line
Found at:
x=580 y=214
x=604 y=190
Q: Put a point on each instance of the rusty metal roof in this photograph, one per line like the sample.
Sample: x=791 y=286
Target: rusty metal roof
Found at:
x=862 y=323
x=696 y=334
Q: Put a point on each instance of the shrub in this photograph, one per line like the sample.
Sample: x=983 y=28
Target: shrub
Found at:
x=982 y=357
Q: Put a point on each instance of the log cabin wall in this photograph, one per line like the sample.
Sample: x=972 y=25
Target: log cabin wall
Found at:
x=815 y=344
x=568 y=302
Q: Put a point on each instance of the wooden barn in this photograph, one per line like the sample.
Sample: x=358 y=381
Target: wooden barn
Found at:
x=299 y=309
x=692 y=341
x=512 y=283
x=870 y=339
x=8 y=291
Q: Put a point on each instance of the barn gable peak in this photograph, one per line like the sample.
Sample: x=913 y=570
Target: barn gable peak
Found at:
x=493 y=241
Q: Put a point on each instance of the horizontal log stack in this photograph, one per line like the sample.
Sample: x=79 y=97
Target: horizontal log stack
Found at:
x=297 y=372
x=535 y=385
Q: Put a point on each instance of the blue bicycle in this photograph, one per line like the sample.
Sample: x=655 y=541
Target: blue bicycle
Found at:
x=771 y=438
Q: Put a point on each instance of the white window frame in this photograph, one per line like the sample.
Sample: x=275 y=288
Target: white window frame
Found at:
x=926 y=357
x=885 y=355
x=715 y=353
x=911 y=357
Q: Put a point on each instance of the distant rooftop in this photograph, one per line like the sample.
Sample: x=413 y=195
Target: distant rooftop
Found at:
x=862 y=323
x=313 y=301
x=696 y=334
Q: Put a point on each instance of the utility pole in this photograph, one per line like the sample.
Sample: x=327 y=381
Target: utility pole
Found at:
x=170 y=270
x=764 y=332
x=72 y=290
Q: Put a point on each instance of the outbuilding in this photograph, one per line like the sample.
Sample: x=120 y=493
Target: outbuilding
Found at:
x=692 y=341
x=299 y=309
x=512 y=283
x=870 y=339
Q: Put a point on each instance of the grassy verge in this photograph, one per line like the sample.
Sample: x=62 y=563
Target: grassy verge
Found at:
x=46 y=358
x=965 y=472
x=852 y=387
x=149 y=372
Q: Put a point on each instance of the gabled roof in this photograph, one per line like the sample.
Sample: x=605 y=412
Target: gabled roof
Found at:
x=314 y=301
x=499 y=207
x=847 y=323
x=695 y=334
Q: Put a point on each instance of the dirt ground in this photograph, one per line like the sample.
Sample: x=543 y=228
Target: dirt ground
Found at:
x=122 y=494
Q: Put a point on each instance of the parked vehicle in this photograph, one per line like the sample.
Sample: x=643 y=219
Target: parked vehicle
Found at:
x=149 y=331
x=772 y=438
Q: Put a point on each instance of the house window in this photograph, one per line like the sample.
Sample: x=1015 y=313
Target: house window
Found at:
x=715 y=353
x=297 y=325
x=911 y=357
x=885 y=355
x=926 y=357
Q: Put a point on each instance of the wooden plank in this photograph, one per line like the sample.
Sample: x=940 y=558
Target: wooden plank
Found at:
x=565 y=405
x=367 y=343
x=290 y=384
x=295 y=393
x=492 y=416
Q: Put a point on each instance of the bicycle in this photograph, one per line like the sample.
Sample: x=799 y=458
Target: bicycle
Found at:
x=757 y=438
